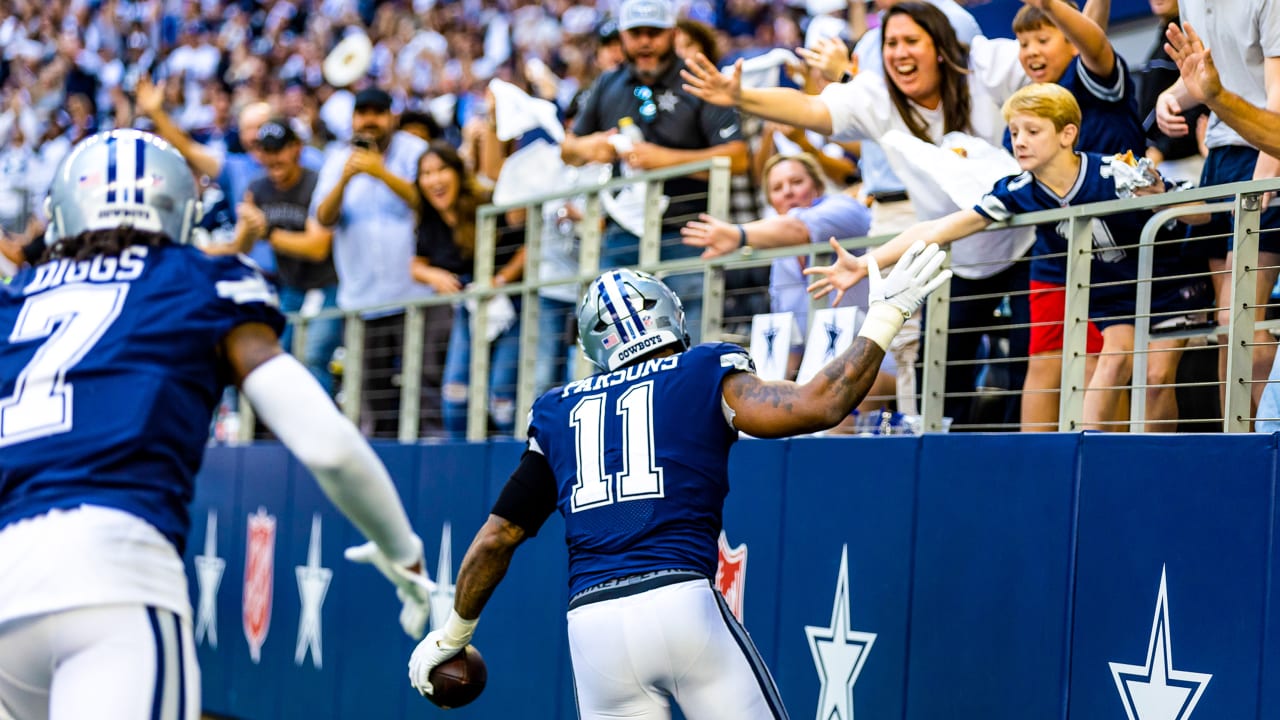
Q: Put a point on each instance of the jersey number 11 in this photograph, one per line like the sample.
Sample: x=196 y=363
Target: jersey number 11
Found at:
x=640 y=477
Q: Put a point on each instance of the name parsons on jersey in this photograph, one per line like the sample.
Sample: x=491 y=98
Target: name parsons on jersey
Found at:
x=101 y=268
x=621 y=375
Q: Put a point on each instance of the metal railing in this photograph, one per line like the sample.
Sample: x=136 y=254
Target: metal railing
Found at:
x=1244 y=201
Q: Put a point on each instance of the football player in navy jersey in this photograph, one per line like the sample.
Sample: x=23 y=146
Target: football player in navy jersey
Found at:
x=636 y=459
x=117 y=347
x=1044 y=119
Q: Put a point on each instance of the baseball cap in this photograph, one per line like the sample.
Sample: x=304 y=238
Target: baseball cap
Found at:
x=373 y=98
x=608 y=30
x=646 y=13
x=275 y=135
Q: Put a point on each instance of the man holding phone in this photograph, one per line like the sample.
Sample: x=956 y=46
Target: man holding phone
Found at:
x=367 y=196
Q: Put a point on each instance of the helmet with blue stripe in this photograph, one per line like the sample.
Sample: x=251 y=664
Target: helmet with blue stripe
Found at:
x=625 y=315
x=123 y=178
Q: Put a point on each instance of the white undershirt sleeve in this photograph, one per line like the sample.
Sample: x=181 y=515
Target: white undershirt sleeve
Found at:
x=300 y=413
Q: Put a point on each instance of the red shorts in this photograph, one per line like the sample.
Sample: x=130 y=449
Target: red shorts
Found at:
x=1048 y=305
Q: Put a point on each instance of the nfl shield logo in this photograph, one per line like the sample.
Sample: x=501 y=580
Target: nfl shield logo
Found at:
x=731 y=574
x=259 y=570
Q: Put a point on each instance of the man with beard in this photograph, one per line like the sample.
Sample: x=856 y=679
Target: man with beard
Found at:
x=677 y=128
x=366 y=194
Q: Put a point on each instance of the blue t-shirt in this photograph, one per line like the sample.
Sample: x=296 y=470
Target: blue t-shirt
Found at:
x=640 y=457
x=1022 y=193
x=110 y=376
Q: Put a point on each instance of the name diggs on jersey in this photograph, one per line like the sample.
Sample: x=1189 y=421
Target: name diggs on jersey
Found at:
x=621 y=375
x=101 y=268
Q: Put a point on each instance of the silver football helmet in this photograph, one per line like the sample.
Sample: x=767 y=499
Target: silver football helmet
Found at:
x=626 y=314
x=123 y=177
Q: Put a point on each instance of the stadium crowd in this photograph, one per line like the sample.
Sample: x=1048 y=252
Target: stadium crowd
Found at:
x=364 y=194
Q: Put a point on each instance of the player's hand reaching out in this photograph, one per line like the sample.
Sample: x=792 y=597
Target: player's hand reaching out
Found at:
x=911 y=280
x=413 y=587
x=848 y=270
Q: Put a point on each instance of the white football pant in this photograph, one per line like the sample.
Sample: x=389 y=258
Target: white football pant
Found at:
x=111 y=662
x=632 y=655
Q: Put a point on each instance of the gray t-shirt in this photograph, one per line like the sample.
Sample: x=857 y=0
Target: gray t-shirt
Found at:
x=287 y=210
x=1242 y=34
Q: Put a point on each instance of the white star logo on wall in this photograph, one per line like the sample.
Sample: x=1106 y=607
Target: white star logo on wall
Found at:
x=209 y=569
x=442 y=595
x=313 y=585
x=1155 y=691
x=838 y=652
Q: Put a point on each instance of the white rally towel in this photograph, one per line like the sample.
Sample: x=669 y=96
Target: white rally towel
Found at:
x=536 y=169
x=516 y=112
x=772 y=337
x=763 y=71
x=951 y=176
x=500 y=314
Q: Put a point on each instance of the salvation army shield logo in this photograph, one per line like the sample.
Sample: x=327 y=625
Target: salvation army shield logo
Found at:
x=731 y=574
x=259 y=569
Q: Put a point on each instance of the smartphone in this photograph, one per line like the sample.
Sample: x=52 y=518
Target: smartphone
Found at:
x=362 y=142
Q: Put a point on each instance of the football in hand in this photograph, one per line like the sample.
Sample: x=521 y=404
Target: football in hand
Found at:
x=458 y=680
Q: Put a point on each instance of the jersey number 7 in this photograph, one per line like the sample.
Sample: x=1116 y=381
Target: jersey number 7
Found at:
x=640 y=477
x=73 y=318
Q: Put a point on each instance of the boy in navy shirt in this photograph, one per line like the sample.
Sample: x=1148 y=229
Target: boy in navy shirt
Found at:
x=1044 y=122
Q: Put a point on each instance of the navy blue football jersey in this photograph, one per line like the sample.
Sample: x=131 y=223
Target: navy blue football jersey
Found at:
x=109 y=374
x=1112 y=260
x=640 y=457
x=1109 y=119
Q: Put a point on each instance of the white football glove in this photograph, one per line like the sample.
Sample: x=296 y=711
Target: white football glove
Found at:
x=412 y=588
x=895 y=297
x=435 y=648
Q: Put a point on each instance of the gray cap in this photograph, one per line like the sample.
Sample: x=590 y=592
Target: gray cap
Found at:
x=646 y=13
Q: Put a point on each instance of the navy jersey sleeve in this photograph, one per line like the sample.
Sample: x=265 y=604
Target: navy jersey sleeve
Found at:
x=730 y=359
x=240 y=294
x=1108 y=89
x=1004 y=201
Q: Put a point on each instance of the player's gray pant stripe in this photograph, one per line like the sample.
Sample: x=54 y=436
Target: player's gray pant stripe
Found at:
x=761 y=671
x=169 y=697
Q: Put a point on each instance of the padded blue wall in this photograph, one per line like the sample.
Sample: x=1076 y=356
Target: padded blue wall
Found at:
x=992 y=576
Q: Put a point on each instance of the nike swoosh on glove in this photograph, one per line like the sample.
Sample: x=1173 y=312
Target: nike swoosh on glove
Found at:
x=911 y=280
x=896 y=297
x=412 y=588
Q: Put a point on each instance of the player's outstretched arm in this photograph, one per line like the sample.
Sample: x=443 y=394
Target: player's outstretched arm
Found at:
x=849 y=270
x=300 y=413
x=483 y=567
x=782 y=408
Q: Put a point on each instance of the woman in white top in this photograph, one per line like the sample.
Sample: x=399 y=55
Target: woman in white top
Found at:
x=932 y=85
